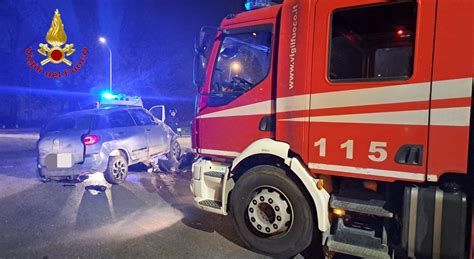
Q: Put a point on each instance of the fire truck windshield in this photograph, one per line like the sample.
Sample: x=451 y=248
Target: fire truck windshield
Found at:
x=243 y=62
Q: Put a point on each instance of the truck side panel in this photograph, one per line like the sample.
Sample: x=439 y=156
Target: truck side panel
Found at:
x=359 y=124
x=293 y=77
x=452 y=74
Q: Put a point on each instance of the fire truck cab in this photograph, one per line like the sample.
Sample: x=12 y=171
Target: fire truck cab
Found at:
x=346 y=122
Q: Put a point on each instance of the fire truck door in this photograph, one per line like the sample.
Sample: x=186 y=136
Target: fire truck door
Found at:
x=371 y=81
x=239 y=106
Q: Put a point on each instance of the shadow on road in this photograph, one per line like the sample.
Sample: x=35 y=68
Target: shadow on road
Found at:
x=174 y=189
x=32 y=213
x=95 y=211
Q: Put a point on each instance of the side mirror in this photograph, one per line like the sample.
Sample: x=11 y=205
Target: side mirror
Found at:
x=202 y=46
x=199 y=69
x=198 y=45
x=204 y=39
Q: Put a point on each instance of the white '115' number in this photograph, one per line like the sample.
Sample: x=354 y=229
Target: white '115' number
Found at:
x=377 y=151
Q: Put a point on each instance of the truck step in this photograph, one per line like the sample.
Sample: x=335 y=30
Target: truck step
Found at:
x=211 y=204
x=215 y=174
x=356 y=250
x=370 y=206
x=356 y=242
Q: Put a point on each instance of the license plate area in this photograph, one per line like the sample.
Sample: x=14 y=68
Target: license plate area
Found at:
x=58 y=161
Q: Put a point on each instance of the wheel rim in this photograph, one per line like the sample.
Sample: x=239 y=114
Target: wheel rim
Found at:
x=270 y=211
x=119 y=169
x=176 y=150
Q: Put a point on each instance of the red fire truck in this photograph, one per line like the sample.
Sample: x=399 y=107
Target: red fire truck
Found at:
x=342 y=122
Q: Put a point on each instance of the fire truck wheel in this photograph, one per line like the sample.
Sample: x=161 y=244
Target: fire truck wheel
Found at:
x=271 y=213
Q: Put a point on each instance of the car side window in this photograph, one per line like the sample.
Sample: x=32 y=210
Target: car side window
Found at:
x=141 y=117
x=102 y=122
x=120 y=119
x=72 y=123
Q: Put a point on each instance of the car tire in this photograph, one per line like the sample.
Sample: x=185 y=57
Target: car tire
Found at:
x=171 y=164
x=117 y=169
x=175 y=151
x=42 y=177
x=40 y=173
x=287 y=227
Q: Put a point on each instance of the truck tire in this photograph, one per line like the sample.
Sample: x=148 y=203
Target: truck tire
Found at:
x=271 y=213
x=117 y=169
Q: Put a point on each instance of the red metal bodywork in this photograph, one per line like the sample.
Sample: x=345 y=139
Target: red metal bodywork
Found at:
x=453 y=59
x=232 y=133
x=308 y=107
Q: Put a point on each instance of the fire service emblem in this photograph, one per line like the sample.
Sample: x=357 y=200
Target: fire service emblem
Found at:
x=56 y=51
x=56 y=37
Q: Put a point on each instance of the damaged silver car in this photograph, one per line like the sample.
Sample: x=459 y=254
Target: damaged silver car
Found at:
x=106 y=140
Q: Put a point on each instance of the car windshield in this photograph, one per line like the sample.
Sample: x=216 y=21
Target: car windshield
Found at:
x=68 y=123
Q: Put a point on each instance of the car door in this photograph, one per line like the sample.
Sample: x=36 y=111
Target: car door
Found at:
x=159 y=112
x=128 y=135
x=158 y=135
x=154 y=131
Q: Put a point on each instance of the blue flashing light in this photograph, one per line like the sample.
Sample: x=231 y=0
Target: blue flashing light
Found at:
x=248 y=6
x=256 y=4
x=108 y=96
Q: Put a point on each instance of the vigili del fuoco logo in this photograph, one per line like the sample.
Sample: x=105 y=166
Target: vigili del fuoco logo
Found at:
x=55 y=53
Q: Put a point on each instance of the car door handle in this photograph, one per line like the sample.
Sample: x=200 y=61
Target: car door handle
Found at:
x=118 y=134
x=148 y=129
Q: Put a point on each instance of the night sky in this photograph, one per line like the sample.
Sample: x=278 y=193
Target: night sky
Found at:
x=151 y=41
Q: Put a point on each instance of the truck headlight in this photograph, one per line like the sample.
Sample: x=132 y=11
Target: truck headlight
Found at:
x=196 y=171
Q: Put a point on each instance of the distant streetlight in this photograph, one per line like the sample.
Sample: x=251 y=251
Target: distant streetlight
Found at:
x=103 y=41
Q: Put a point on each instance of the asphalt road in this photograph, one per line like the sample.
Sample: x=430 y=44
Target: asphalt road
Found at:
x=148 y=216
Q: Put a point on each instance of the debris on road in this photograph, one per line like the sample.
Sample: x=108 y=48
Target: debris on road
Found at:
x=94 y=183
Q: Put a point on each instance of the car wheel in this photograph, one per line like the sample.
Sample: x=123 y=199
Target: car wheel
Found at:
x=117 y=170
x=271 y=213
x=172 y=163
x=41 y=173
x=175 y=151
x=42 y=177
